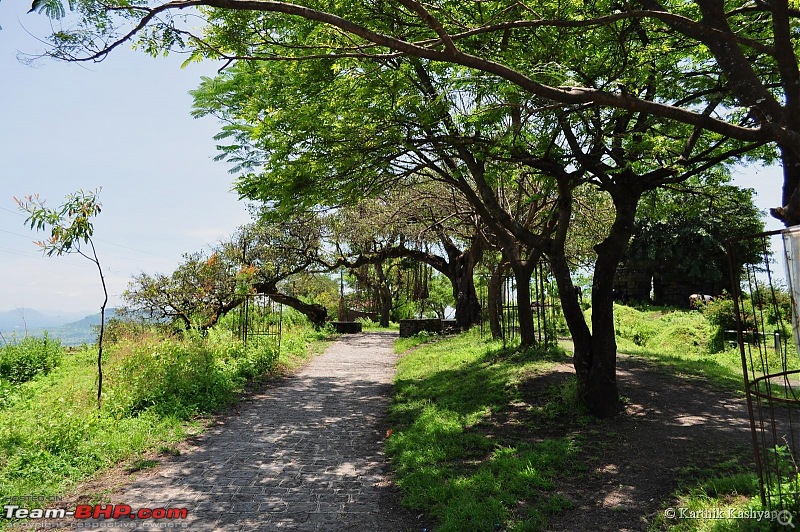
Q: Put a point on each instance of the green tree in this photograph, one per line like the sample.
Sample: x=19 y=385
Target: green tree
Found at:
x=681 y=235
x=750 y=49
x=201 y=290
x=71 y=231
x=256 y=259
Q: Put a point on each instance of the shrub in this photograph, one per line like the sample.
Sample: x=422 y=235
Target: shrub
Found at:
x=243 y=362
x=188 y=376
x=21 y=362
x=633 y=325
x=173 y=377
x=721 y=314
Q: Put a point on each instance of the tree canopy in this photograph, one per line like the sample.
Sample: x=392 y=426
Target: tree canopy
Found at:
x=516 y=107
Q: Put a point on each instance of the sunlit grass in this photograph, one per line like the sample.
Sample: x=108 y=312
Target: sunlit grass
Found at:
x=449 y=468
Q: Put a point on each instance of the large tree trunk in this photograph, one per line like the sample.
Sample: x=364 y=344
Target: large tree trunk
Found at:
x=468 y=308
x=494 y=301
x=522 y=276
x=600 y=390
x=459 y=268
x=385 y=294
x=789 y=213
x=595 y=351
x=576 y=321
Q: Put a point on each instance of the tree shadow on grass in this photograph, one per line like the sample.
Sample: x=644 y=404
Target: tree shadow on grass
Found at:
x=674 y=431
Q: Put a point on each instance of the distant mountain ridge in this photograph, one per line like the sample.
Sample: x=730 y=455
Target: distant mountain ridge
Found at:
x=69 y=329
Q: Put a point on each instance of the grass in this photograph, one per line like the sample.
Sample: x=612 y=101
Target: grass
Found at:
x=679 y=340
x=401 y=345
x=461 y=462
x=446 y=461
x=52 y=436
x=716 y=503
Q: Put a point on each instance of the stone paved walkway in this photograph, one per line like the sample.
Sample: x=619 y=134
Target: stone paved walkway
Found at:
x=305 y=454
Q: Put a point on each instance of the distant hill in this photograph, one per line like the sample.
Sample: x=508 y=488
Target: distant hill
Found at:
x=17 y=323
x=20 y=318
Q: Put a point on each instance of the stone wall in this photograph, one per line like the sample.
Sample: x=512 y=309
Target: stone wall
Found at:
x=347 y=327
x=412 y=327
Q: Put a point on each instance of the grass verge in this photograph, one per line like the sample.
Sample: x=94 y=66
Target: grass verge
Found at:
x=53 y=436
x=450 y=462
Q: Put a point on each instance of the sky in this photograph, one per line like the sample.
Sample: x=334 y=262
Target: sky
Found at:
x=124 y=125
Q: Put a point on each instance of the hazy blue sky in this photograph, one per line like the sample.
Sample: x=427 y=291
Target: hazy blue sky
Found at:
x=122 y=124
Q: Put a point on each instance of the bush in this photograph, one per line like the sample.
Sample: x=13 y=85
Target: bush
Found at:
x=242 y=363
x=21 y=362
x=173 y=377
x=185 y=377
x=757 y=314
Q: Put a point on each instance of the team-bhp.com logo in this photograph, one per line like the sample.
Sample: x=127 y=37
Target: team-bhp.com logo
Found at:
x=94 y=511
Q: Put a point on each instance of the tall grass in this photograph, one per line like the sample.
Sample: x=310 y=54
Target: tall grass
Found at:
x=22 y=361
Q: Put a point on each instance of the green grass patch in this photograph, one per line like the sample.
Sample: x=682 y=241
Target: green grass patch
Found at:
x=446 y=465
x=716 y=504
x=401 y=345
x=679 y=340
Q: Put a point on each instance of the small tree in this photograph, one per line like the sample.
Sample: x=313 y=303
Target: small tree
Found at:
x=70 y=229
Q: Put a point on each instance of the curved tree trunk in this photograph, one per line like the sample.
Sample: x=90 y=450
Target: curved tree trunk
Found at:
x=317 y=314
x=602 y=394
x=595 y=356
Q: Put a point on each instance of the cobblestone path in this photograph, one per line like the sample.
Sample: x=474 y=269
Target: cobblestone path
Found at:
x=305 y=454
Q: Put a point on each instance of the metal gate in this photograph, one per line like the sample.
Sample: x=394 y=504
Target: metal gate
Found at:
x=259 y=315
x=765 y=314
x=543 y=307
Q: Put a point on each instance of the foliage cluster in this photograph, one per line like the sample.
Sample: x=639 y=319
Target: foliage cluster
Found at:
x=22 y=361
x=445 y=464
x=765 y=310
x=681 y=234
x=183 y=377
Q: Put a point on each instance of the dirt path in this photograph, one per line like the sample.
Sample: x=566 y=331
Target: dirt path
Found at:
x=305 y=454
x=673 y=429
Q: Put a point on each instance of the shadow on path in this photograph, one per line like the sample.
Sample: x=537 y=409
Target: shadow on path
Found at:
x=674 y=428
x=305 y=454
